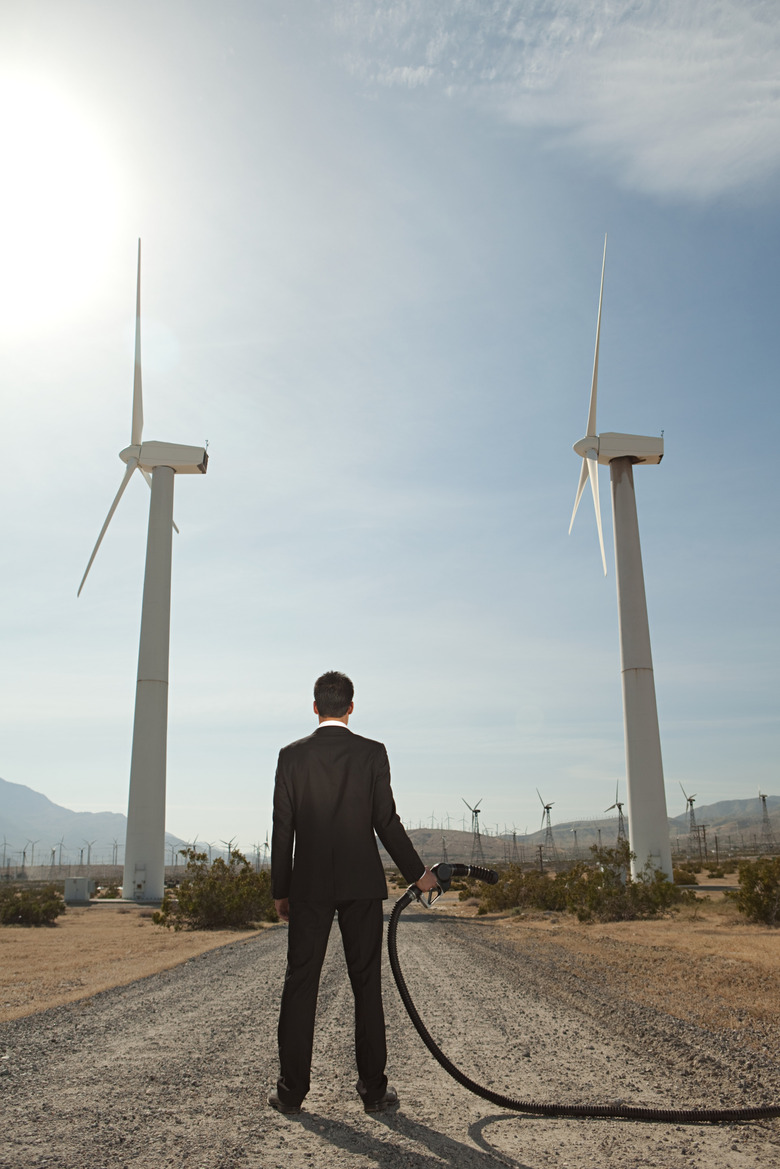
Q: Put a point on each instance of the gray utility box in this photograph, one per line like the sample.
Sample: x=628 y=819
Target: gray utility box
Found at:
x=78 y=890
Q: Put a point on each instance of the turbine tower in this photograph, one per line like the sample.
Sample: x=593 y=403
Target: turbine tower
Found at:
x=158 y=462
x=647 y=820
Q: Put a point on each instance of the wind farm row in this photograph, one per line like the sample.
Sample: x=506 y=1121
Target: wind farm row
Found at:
x=745 y=827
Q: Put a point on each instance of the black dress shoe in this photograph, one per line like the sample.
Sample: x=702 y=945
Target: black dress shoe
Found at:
x=389 y=1100
x=280 y=1106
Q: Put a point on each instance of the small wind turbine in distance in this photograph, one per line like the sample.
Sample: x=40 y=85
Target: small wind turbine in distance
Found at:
x=477 y=853
x=621 y=820
x=158 y=462
x=549 y=843
x=647 y=819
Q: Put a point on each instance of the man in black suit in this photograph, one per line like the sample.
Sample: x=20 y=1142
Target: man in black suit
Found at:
x=332 y=793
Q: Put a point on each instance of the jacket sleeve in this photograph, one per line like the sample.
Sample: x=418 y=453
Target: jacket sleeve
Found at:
x=283 y=834
x=388 y=826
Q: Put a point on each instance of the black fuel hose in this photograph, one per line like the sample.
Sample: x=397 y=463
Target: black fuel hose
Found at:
x=542 y=1108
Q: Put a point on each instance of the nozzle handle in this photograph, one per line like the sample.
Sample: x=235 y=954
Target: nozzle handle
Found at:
x=445 y=872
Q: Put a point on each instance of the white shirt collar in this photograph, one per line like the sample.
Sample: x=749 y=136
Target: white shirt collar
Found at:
x=333 y=722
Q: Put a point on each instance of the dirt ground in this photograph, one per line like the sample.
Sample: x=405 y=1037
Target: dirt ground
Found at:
x=705 y=963
x=173 y=1068
x=88 y=950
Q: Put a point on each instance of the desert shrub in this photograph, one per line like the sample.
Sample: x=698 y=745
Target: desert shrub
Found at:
x=526 y=890
x=608 y=892
x=108 y=892
x=223 y=895
x=683 y=876
x=30 y=906
x=601 y=890
x=758 y=896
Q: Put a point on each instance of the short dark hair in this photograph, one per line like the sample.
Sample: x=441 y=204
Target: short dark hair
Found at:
x=333 y=693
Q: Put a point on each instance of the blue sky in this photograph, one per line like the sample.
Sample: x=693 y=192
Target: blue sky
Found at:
x=372 y=240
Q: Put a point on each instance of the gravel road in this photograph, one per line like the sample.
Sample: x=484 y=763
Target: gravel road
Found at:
x=173 y=1070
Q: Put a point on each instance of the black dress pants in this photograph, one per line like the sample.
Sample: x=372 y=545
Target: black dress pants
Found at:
x=360 y=923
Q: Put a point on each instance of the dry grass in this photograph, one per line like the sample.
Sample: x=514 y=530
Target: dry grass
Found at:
x=89 y=950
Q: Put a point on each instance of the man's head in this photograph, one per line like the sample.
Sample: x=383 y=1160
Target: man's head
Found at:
x=333 y=695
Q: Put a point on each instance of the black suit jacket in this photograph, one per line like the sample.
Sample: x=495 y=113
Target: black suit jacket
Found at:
x=332 y=793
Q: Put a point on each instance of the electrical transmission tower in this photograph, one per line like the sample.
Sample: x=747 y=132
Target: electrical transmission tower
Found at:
x=767 y=836
x=477 y=855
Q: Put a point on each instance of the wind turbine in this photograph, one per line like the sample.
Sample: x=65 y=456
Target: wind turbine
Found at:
x=694 y=833
x=158 y=462
x=549 y=843
x=476 y=839
x=621 y=819
x=647 y=820
x=689 y=801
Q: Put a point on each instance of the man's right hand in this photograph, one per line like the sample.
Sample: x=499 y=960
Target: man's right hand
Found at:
x=283 y=908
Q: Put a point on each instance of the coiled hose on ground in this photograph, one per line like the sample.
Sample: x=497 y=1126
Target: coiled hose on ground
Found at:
x=444 y=874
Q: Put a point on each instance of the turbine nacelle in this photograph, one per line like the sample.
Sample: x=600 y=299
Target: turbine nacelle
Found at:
x=608 y=446
x=184 y=460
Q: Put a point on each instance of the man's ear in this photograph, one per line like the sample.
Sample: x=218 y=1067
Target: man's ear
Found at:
x=315 y=708
x=350 y=708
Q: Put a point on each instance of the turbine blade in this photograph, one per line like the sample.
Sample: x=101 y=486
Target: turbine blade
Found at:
x=131 y=466
x=580 y=488
x=595 y=381
x=137 y=428
x=593 y=471
x=148 y=479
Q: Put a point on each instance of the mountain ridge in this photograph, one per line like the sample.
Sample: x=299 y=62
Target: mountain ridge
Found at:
x=27 y=815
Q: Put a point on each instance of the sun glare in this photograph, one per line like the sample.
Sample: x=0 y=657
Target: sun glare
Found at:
x=58 y=205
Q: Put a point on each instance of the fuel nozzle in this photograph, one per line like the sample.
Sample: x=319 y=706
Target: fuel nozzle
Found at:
x=444 y=872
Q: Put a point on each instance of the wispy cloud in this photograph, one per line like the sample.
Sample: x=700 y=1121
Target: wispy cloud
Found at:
x=675 y=99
